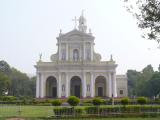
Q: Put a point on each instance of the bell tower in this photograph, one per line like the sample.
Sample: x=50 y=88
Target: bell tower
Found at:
x=82 y=23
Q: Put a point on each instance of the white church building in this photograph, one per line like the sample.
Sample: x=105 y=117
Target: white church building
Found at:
x=77 y=70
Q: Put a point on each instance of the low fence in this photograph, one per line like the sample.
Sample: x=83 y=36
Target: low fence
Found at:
x=27 y=111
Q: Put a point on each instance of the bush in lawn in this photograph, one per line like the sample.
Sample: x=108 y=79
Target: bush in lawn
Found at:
x=68 y=111
x=57 y=102
x=87 y=102
x=73 y=100
x=8 y=98
x=91 y=110
x=97 y=101
x=124 y=101
x=142 y=100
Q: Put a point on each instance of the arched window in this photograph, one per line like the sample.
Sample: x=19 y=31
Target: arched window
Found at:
x=75 y=55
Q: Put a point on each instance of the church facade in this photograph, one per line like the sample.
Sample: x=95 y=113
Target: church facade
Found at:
x=76 y=70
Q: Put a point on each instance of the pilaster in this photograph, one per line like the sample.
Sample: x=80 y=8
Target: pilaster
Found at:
x=67 y=51
x=38 y=85
x=84 y=86
x=114 y=84
x=59 y=85
x=84 y=53
x=67 y=86
x=92 y=86
x=109 y=85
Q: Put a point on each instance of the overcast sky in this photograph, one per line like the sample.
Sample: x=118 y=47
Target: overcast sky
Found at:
x=30 y=27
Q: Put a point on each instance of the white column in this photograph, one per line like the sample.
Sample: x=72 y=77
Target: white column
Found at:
x=59 y=86
x=114 y=85
x=37 y=86
x=84 y=86
x=92 y=86
x=109 y=85
x=67 y=86
x=42 y=86
x=59 y=50
x=67 y=51
x=84 y=55
x=91 y=51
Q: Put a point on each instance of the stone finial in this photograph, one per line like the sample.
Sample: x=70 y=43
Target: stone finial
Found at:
x=60 y=32
x=40 y=57
x=111 y=58
x=90 y=31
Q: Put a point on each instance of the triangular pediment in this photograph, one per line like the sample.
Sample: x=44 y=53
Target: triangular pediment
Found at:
x=75 y=33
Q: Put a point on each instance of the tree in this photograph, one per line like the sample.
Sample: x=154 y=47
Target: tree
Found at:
x=4 y=83
x=4 y=67
x=21 y=85
x=138 y=81
x=147 y=13
x=133 y=78
x=154 y=85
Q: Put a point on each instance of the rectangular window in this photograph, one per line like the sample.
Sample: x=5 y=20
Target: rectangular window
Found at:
x=121 y=92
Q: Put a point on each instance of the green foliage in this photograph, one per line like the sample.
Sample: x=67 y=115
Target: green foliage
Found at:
x=145 y=83
x=8 y=98
x=4 y=83
x=154 y=85
x=15 y=82
x=60 y=111
x=147 y=13
x=124 y=101
x=73 y=100
x=56 y=102
x=97 y=101
x=142 y=100
x=87 y=102
x=4 y=67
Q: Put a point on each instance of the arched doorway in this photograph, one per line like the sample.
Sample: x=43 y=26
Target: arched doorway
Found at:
x=100 y=86
x=76 y=86
x=51 y=87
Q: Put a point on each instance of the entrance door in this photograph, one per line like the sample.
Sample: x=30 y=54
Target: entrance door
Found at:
x=54 y=92
x=100 y=91
x=77 y=90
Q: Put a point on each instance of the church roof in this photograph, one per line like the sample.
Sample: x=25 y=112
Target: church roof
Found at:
x=75 y=32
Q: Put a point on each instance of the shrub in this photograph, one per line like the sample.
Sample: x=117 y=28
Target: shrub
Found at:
x=56 y=102
x=141 y=100
x=68 y=111
x=73 y=100
x=97 y=101
x=124 y=101
x=87 y=102
x=8 y=98
x=91 y=110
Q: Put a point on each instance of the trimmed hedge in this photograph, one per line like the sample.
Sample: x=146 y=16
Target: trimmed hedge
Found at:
x=124 y=101
x=68 y=111
x=56 y=102
x=142 y=100
x=73 y=100
x=97 y=101
x=108 y=111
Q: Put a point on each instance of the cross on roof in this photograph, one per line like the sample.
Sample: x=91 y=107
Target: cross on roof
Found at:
x=75 y=20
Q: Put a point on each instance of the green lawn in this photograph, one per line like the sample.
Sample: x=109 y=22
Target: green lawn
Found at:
x=26 y=111
x=33 y=112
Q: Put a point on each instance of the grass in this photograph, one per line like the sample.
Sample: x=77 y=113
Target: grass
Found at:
x=34 y=112
x=26 y=111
